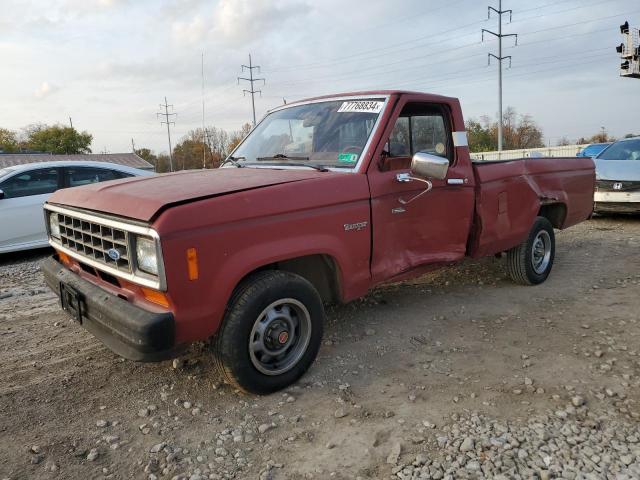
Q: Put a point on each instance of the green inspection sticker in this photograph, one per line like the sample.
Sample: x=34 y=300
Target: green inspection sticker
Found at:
x=349 y=158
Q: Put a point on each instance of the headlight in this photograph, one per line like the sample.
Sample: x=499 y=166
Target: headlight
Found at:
x=147 y=255
x=54 y=226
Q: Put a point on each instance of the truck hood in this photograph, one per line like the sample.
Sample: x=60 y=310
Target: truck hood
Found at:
x=618 y=170
x=142 y=198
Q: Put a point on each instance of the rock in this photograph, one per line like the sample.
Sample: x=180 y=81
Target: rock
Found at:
x=265 y=427
x=178 y=363
x=467 y=445
x=577 y=401
x=157 y=447
x=369 y=332
x=36 y=449
x=340 y=413
x=102 y=423
x=394 y=454
x=93 y=454
x=143 y=412
x=626 y=459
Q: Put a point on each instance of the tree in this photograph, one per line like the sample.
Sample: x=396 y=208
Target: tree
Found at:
x=480 y=138
x=518 y=131
x=601 y=137
x=563 y=141
x=238 y=136
x=8 y=141
x=57 y=139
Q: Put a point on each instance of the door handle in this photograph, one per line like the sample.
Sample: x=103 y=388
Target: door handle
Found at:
x=403 y=177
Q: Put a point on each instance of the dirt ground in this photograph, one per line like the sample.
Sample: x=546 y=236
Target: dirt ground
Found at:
x=399 y=371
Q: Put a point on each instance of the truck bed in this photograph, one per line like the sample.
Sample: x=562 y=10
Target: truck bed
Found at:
x=511 y=193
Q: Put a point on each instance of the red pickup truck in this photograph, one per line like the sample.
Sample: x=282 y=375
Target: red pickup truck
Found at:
x=325 y=199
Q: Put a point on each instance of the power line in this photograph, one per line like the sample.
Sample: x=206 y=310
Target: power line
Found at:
x=500 y=58
x=166 y=120
x=251 y=81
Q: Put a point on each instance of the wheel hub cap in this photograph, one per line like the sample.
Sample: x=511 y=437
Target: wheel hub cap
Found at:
x=541 y=252
x=280 y=336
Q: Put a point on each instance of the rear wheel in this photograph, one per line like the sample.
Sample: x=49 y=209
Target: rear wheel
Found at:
x=271 y=333
x=530 y=262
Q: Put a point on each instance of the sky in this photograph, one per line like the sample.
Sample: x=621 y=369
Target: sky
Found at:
x=109 y=64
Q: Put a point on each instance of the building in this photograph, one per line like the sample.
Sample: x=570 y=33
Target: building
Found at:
x=128 y=159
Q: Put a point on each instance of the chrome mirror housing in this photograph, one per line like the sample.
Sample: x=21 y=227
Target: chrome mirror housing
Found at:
x=425 y=165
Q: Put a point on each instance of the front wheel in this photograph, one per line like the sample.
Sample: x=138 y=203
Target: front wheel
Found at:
x=530 y=262
x=271 y=333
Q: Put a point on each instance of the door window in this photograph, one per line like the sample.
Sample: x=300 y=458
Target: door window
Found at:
x=34 y=182
x=419 y=128
x=78 y=176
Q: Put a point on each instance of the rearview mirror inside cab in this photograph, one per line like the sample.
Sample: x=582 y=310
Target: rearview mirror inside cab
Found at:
x=425 y=165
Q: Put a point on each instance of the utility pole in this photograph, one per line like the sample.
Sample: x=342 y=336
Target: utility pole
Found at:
x=70 y=122
x=499 y=58
x=133 y=146
x=629 y=51
x=166 y=120
x=251 y=81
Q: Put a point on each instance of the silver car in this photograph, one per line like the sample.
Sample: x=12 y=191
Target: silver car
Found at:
x=25 y=188
x=618 y=177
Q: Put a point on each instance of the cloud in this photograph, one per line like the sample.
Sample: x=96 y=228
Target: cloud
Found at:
x=239 y=22
x=190 y=32
x=45 y=90
x=244 y=20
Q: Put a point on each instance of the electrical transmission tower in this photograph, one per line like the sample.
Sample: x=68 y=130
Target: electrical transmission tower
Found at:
x=251 y=81
x=166 y=120
x=499 y=58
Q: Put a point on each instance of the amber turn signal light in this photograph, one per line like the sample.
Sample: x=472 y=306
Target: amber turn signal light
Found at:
x=64 y=258
x=155 y=296
x=192 y=263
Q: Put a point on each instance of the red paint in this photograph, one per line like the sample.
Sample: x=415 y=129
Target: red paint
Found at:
x=239 y=220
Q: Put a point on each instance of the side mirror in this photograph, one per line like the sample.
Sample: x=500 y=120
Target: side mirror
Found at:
x=425 y=165
x=1 y=194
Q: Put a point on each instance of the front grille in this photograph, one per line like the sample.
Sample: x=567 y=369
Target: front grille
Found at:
x=93 y=240
x=622 y=186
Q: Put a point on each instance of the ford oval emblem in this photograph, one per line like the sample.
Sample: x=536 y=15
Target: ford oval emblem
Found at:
x=114 y=254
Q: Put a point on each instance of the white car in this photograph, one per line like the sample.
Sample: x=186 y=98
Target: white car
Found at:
x=618 y=177
x=25 y=188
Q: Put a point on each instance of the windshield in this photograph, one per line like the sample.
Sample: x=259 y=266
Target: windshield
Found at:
x=324 y=134
x=6 y=171
x=622 y=150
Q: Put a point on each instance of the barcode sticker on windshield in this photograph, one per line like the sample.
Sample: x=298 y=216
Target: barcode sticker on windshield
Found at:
x=361 y=106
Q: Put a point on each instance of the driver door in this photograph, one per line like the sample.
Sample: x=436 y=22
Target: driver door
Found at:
x=410 y=231
x=21 y=209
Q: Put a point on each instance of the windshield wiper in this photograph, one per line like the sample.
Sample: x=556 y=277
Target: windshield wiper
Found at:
x=233 y=161
x=320 y=168
x=283 y=156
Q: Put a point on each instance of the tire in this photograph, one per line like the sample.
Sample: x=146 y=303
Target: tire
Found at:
x=530 y=262
x=271 y=332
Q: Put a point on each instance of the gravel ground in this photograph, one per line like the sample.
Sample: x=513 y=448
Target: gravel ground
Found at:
x=460 y=374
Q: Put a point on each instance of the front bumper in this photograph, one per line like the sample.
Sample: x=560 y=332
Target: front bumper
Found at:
x=617 y=202
x=128 y=330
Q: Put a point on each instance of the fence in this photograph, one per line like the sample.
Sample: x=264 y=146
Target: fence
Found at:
x=563 y=151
